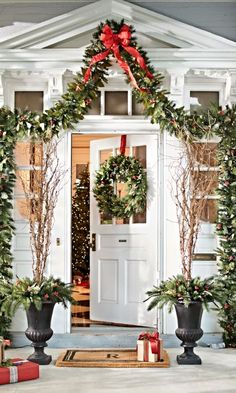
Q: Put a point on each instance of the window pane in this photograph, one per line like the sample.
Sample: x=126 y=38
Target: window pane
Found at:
x=121 y=221
x=27 y=154
x=36 y=154
x=127 y=151
x=121 y=190
x=30 y=100
x=95 y=106
x=140 y=218
x=140 y=153
x=209 y=213
x=104 y=155
x=105 y=218
x=205 y=153
x=137 y=107
x=205 y=180
x=116 y=103
x=202 y=100
x=21 y=209
x=25 y=176
x=29 y=180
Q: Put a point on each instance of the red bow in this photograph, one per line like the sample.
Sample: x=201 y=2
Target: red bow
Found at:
x=153 y=338
x=112 y=42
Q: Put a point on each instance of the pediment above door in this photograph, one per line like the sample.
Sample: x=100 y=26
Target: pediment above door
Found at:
x=74 y=29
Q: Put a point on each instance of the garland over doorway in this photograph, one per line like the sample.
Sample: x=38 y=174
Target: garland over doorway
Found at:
x=111 y=41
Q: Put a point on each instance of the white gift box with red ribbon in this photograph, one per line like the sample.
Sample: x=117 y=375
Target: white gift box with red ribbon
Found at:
x=3 y=344
x=149 y=347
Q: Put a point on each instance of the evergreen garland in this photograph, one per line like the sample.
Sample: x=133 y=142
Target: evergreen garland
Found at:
x=72 y=108
x=7 y=181
x=226 y=227
x=80 y=225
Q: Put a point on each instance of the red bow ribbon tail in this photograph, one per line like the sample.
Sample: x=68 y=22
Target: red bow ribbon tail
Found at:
x=124 y=66
x=95 y=59
x=155 y=347
x=140 y=60
x=155 y=344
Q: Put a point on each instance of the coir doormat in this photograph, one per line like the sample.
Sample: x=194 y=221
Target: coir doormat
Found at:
x=106 y=358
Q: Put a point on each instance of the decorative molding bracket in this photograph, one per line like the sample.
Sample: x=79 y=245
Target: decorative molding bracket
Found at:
x=1 y=88
x=177 y=82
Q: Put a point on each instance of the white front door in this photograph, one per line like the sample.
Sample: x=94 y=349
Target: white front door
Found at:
x=123 y=265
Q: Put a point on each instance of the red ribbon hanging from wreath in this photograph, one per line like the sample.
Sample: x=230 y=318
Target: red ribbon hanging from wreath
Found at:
x=112 y=42
x=122 y=144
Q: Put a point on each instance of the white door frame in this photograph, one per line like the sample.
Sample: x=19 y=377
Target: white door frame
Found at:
x=117 y=126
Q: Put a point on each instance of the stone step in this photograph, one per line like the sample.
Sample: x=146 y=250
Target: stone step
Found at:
x=107 y=338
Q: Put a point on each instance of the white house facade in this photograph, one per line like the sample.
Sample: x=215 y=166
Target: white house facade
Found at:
x=199 y=68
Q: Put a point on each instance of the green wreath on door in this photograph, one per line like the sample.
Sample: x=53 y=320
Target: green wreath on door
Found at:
x=121 y=169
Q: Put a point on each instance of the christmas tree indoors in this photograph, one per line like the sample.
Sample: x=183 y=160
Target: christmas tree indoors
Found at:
x=80 y=225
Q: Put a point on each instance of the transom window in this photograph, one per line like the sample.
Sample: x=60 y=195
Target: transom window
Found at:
x=30 y=100
x=116 y=103
x=202 y=100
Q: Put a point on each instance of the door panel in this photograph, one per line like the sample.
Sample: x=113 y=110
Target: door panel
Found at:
x=124 y=265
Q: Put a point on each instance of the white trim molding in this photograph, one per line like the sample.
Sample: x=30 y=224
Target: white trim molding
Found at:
x=45 y=59
x=84 y=19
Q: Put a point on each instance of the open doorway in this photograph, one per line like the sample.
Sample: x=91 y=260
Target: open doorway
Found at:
x=113 y=276
x=80 y=242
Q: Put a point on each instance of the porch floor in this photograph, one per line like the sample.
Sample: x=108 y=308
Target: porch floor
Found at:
x=216 y=374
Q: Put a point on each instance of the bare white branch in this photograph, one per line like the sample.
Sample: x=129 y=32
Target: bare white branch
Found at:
x=41 y=194
x=194 y=181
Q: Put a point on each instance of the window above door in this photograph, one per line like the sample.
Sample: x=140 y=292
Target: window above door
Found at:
x=202 y=100
x=116 y=103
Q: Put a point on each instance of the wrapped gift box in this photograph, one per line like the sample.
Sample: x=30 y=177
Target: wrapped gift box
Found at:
x=21 y=370
x=1 y=351
x=149 y=347
x=3 y=343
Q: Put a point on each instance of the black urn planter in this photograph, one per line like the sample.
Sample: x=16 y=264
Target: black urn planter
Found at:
x=39 y=331
x=189 y=331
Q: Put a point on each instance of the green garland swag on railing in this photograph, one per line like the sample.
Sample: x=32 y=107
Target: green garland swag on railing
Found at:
x=74 y=105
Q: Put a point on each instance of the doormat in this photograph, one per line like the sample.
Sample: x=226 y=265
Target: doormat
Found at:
x=109 y=357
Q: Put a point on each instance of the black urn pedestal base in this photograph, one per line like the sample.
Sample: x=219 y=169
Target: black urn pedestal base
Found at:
x=188 y=356
x=39 y=331
x=189 y=331
x=39 y=356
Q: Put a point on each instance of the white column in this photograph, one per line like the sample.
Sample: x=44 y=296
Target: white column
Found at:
x=232 y=86
x=1 y=88
x=60 y=255
x=172 y=265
